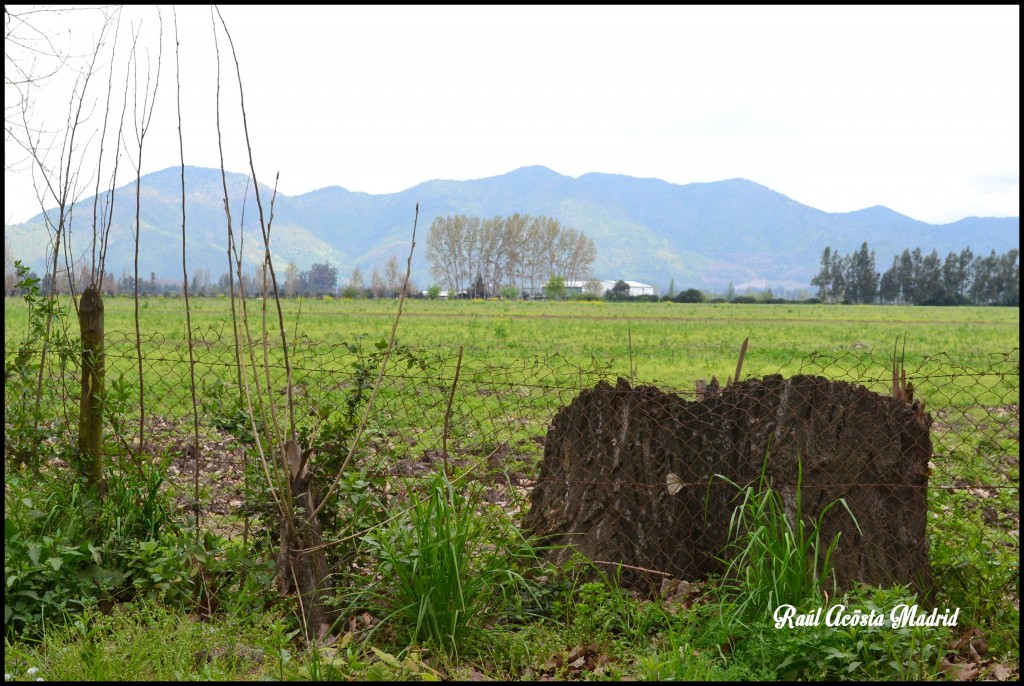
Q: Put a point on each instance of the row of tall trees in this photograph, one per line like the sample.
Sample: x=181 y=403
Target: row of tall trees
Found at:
x=522 y=251
x=917 y=279
x=848 y=278
x=384 y=283
x=320 y=279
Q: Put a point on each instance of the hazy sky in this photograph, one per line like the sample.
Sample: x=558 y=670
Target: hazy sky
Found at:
x=841 y=108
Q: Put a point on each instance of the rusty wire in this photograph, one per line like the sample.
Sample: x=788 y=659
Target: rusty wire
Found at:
x=505 y=411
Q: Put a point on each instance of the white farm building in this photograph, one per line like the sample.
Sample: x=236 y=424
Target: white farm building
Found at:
x=635 y=287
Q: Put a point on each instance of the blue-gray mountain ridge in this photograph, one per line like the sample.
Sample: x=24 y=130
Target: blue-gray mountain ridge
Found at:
x=701 y=235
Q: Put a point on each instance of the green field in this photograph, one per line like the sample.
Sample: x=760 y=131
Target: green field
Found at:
x=522 y=361
x=672 y=343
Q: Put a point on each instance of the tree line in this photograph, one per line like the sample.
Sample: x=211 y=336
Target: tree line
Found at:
x=319 y=280
x=917 y=279
x=481 y=257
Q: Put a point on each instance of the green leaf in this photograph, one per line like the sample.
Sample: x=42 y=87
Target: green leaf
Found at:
x=378 y=672
x=109 y=577
x=387 y=658
x=11 y=529
x=55 y=562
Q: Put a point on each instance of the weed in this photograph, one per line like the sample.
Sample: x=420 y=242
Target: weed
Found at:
x=777 y=561
x=65 y=549
x=448 y=576
x=36 y=421
x=682 y=661
x=145 y=641
x=225 y=409
x=846 y=653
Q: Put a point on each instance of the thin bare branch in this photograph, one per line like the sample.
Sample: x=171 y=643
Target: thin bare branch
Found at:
x=380 y=373
x=184 y=272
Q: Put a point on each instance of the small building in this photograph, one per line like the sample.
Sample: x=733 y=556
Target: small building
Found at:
x=635 y=287
x=576 y=287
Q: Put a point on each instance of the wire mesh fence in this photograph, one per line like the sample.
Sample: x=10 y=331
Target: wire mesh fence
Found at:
x=435 y=409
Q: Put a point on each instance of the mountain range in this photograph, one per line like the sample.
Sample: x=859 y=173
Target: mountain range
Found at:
x=699 y=235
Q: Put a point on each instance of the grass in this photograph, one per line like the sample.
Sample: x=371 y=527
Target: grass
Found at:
x=437 y=589
x=777 y=561
x=444 y=569
x=146 y=641
x=672 y=343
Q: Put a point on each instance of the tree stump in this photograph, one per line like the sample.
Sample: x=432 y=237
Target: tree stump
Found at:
x=628 y=476
x=301 y=561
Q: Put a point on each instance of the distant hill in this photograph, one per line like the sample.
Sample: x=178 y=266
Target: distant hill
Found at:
x=702 y=235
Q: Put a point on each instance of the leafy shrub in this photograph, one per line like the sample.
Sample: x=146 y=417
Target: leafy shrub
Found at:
x=33 y=420
x=600 y=610
x=50 y=565
x=65 y=549
x=225 y=409
x=690 y=295
x=159 y=569
x=501 y=327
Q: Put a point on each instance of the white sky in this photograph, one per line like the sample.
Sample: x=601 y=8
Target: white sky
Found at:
x=840 y=108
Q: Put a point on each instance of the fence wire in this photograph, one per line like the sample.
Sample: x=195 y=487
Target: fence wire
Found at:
x=498 y=416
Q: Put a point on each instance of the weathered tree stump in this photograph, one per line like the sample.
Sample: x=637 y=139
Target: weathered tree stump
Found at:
x=605 y=486
x=301 y=561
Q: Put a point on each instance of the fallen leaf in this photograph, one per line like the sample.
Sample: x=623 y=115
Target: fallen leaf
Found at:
x=327 y=641
x=967 y=671
x=1001 y=672
x=581 y=651
x=965 y=638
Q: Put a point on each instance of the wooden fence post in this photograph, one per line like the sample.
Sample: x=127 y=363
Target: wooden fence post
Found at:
x=90 y=418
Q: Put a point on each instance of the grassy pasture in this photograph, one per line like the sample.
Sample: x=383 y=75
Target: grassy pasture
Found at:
x=973 y=497
x=671 y=343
